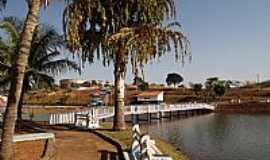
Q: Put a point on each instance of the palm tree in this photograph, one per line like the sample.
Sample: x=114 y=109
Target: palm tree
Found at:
x=117 y=29
x=18 y=72
x=3 y=3
x=12 y=28
x=44 y=60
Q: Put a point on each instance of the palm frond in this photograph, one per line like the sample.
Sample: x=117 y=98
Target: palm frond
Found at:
x=37 y=79
x=5 y=81
x=47 y=40
x=4 y=66
x=5 y=51
x=45 y=50
x=60 y=66
x=149 y=42
x=11 y=30
x=49 y=57
x=16 y=22
x=86 y=24
x=3 y=4
x=173 y=24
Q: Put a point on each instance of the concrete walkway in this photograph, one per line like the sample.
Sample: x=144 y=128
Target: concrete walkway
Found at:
x=80 y=145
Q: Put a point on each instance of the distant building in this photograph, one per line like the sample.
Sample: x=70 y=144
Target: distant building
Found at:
x=74 y=84
x=151 y=96
x=83 y=84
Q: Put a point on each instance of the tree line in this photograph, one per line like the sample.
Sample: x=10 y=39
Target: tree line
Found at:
x=214 y=86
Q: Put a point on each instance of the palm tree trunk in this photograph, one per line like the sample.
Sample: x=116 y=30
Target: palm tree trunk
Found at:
x=20 y=105
x=136 y=73
x=119 y=91
x=10 y=116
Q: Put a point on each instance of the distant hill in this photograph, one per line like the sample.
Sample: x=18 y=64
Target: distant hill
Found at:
x=265 y=84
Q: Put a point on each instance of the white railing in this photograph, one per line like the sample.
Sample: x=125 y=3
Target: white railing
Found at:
x=62 y=118
x=87 y=120
x=32 y=137
x=107 y=112
x=143 y=148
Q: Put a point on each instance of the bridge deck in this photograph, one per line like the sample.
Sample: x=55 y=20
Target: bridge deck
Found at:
x=108 y=112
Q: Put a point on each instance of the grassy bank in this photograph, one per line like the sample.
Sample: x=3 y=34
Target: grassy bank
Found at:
x=244 y=107
x=125 y=138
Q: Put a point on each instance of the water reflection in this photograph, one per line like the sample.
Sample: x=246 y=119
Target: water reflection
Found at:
x=219 y=136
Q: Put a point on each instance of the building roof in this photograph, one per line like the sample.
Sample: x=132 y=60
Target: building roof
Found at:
x=149 y=94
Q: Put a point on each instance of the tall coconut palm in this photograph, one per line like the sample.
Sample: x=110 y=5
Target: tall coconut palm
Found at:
x=44 y=60
x=8 y=46
x=18 y=72
x=92 y=26
x=3 y=3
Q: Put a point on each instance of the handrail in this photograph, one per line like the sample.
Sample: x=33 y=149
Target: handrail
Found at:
x=107 y=112
x=143 y=147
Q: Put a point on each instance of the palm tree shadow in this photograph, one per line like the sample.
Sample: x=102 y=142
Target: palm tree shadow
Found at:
x=104 y=129
x=107 y=155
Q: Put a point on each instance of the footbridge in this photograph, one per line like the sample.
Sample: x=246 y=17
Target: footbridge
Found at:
x=93 y=115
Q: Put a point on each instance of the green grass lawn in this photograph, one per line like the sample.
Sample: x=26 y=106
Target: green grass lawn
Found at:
x=125 y=138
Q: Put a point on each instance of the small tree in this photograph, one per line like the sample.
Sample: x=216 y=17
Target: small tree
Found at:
x=219 y=89
x=138 y=81
x=174 y=78
x=197 y=87
x=209 y=86
x=210 y=83
x=216 y=87
x=142 y=85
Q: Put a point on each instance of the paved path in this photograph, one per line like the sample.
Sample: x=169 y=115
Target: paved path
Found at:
x=79 y=145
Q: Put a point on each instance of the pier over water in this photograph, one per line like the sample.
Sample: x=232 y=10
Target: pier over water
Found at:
x=153 y=111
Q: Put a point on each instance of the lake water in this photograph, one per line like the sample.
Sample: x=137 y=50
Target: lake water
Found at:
x=219 y=136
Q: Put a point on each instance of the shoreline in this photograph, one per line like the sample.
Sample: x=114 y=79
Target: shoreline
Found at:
x=221 y=107
x=124 y=139
x=243 y=107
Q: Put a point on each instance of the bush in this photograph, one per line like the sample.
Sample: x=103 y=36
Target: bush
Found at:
x=144 y=86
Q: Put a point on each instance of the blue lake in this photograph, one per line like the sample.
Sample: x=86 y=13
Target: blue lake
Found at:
x=219 y=136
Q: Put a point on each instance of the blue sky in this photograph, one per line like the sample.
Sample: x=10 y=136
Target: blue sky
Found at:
x=229 y=39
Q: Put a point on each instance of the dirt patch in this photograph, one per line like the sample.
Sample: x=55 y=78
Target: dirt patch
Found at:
x=82 y=145
x=30 y=150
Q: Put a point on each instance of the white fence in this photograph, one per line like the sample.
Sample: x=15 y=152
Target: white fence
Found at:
x=62 y=118
x=143 y=147
x=107 y=112
x=142 y=109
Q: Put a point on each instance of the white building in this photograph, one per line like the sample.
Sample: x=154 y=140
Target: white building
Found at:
x=150 y=96
x=78 y=84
